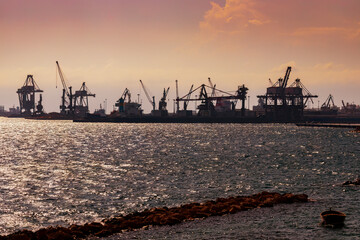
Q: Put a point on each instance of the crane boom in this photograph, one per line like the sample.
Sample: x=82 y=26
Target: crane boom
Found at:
x=188 y=97
x=125 y=94
x=147 y=95
x=212 y=86
x=286 y=78
x=166 y=93
x=63 y=81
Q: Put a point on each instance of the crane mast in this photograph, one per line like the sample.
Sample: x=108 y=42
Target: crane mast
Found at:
x=177 y=96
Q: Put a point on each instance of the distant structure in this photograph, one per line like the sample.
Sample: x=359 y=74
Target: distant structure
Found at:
x=76 y=104
x=162 y=103
x=14 y=110
x=27 y=94
x=162 y=111
x=81 y=101
x=350 y=109
x=283 y=103
x=329 y=105
x=126 y=108
x=214 y=102
x=66 y=107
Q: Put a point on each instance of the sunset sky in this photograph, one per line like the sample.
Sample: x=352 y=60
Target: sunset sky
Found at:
x=111 y=44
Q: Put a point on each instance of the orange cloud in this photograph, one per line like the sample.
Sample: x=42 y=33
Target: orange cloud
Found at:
x=235 y=16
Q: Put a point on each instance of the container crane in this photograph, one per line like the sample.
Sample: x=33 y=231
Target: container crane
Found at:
x=286 y=103
x=152 y=102
x=81 y=102
x=27 y=96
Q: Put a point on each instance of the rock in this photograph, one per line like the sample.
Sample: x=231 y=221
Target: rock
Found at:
x=301 y=198
x=21 y=235
x=356 y=182
x=160 y=216
x=60 y=235
x=235 y=209
x=287 y=198
x=268 y=202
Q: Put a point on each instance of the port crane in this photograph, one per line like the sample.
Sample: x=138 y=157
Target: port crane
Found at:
x=152 y=102
x=224 y=103
x=162 y=102
x=126 y=94
x=121 y=102
x=81 y=101
x=283 y=102
x=66 y=106
x=27 y=96
x=329 y=103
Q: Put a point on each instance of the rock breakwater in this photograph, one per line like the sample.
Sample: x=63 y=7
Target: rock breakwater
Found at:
x=159 y=217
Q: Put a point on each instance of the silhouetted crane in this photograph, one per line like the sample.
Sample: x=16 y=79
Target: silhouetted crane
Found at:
x=162 y=102
x=152 y=102
x=27 y=96
x=66 y=106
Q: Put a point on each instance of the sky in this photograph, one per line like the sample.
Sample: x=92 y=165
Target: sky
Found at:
x=112 y=44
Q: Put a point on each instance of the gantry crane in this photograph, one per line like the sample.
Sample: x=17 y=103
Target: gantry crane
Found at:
x=286 y=103
x=225 y=101
x=27 y=96
x=81 y=101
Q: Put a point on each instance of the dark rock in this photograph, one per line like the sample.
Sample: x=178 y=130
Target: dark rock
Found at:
x=287 y=198
x=60 y=235
x=356 y=182
x=161 y=216
x=301 y=198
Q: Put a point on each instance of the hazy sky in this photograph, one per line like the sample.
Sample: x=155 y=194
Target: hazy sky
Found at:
x=111 y=44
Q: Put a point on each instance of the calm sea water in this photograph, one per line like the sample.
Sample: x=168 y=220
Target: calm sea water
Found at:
x=60 y=173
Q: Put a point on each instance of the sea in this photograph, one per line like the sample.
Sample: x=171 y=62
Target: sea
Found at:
x=62 y=173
